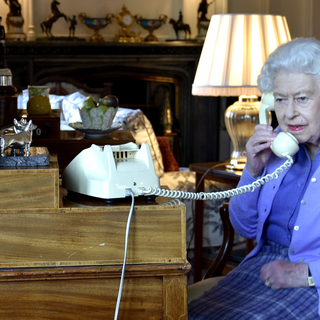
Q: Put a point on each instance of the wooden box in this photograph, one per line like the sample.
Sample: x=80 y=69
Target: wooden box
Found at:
x=76 y=236
x=30 y=187
x=48 y=125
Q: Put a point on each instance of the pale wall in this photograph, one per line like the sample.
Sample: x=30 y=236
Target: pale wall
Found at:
x=98 y=8
x=315 y=19
x=302 y=15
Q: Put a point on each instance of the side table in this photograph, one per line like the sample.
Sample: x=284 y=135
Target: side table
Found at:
x=219 y=173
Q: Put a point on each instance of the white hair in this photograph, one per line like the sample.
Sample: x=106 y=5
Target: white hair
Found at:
x=301 y=55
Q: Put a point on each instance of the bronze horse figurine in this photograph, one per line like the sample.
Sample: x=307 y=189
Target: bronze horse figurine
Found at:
x=181 y=26
x=46 y=25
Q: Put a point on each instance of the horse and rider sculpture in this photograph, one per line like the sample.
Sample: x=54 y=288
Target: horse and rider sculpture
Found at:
x=180 y=26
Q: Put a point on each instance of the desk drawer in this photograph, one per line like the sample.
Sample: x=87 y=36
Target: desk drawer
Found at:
x=48 y=125
x=91 y=293
x=92 y=236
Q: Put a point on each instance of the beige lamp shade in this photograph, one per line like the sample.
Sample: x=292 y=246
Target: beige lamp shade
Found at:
x=235 y=48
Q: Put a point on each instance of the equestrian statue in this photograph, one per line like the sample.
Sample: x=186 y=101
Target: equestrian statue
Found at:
x=180 y=26
x=46 y=25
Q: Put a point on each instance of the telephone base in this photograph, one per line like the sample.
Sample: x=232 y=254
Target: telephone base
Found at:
x=106 y=172
x=83 y=199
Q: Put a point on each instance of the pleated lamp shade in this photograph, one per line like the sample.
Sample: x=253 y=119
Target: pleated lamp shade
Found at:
x=235 y=48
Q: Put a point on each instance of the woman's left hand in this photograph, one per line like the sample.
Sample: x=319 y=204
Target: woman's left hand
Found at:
x=281 y=274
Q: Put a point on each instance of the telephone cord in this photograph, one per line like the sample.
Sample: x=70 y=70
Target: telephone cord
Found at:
x=128 y=193
x=221 y=194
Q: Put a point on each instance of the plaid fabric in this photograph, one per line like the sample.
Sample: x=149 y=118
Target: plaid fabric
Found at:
x=243 y=295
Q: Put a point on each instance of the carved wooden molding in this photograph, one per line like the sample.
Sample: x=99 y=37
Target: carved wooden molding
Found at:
x=94 y=49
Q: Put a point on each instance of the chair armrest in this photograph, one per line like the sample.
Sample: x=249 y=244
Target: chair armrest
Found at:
x=223 y=256
x=169 y=161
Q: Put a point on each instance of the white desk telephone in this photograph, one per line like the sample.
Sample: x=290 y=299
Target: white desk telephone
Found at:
x=107 y=172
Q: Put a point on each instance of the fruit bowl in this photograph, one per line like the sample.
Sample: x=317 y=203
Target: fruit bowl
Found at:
x=96 y=134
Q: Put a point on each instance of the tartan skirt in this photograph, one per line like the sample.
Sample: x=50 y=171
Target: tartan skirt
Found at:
x=243 y=295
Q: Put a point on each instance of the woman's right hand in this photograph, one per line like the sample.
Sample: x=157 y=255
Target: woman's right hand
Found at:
x=258 y=148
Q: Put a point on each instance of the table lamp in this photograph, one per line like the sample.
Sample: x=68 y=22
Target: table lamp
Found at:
x=235 y=48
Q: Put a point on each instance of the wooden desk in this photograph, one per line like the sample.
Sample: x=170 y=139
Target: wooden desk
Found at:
x=71 y=143
x=220 y=174
x=65 y=262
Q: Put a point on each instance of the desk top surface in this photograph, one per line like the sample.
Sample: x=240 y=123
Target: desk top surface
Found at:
x=71 y=199
x=74 y=136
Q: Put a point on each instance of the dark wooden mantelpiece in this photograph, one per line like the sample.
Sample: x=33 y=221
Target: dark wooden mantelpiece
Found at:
x=37 y=58
x=95 y=63
x=40 y=48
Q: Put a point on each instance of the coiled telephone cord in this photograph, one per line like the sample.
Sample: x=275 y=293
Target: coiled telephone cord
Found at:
x=221 y=194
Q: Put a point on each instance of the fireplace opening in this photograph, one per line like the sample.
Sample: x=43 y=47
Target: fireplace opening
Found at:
x=141 y=76
x=156 y=96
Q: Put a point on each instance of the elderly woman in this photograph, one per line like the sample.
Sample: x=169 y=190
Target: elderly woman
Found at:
x=280 y=278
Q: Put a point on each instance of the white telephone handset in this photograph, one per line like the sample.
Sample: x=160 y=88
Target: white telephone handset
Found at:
x=285 y=143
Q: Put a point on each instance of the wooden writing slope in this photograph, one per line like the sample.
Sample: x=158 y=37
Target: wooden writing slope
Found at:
x=64 y=261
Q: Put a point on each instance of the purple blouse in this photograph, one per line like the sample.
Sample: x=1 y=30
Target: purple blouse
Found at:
x=281 y=221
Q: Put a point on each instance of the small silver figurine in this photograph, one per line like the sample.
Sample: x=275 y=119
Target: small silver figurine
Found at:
x=20 y=139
